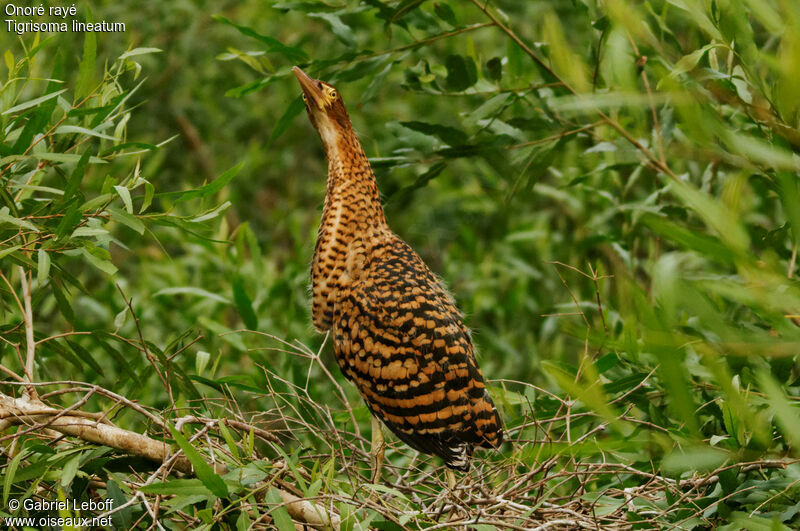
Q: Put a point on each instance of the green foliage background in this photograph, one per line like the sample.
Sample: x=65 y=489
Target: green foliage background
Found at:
x=609 y=189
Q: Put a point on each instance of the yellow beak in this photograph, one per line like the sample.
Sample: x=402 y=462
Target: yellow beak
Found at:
x=311 y=87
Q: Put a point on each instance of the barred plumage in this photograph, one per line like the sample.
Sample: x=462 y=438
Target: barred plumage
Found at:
x=397 y=333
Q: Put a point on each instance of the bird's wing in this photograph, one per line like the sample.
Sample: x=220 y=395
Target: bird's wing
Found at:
x=399 y=337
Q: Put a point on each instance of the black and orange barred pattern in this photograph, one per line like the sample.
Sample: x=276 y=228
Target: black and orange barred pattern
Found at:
x=398 y=335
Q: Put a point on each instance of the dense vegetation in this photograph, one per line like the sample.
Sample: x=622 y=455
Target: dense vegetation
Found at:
x=609 y=189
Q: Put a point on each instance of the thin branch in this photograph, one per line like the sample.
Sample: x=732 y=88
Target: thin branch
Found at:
x=164 y=379
x=30 y=344
x=17 y=409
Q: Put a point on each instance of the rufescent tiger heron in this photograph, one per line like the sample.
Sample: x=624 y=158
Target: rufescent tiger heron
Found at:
x=397 y=334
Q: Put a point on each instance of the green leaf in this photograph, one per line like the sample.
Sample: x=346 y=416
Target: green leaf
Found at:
x=67 y=157
x=244 y=304
x=5 y=218
x=233 y=448
x=96 y=202
x=139 y=51
x=704 y=243
x=461 y=72
x=40 y=121
x=71 y=218
x=714 y=214
x=70 y=469
x=9 y=59
x=83 y=86
x=125 y=195
x=587 y=390
x=32 y=103
x=787 y=414
x=189 y=290
x=211 y=214
x=201 y=361
x=102 y=264
x=694 y=459
x=790 y=200
x=295 y=108
x=84 y=232
x=126 y=219
x=85 y=356
x=494 y=69
x=122 y=518
x=295 y=55
x=445 y=12
x=449 y=135
x=360 y=69
x=255 y=249
x=8 y=250
x=43 y=269
x=178 y=487
x=75 y=178
x=280 y=514
x=204 y=472
x=71 y=129
x=64 y=306
x=405 y=7
x=687 y=63
x=342 y=31
x=125 y=145
x=734 y=24
x=9 y=473
x=206 y=190
x=420 y=182
x=149 y=193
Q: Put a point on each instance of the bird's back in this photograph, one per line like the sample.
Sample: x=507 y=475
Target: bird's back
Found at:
x=399 y=337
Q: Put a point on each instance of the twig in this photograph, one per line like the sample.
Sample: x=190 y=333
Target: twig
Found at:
x=164 y=379
x=242 y=426
x=30 y=344
x=73 y=425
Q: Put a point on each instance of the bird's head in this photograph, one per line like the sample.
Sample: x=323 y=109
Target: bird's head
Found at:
x=325 y=109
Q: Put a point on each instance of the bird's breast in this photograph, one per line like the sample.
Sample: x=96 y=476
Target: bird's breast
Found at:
x=345 y=241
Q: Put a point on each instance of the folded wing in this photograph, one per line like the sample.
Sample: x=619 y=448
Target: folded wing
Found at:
x=399 y=337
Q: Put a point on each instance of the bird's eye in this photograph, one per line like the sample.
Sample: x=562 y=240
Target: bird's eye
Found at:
x=332 y=94
x=305 y=99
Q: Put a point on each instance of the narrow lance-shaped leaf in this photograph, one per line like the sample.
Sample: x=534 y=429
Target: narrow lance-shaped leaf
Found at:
x=204 y=472
x=405 y=7
x=280 y=514
x=244 y=304
x=342 y=31
x=127 y=219
x=273 y=45
x=445 y=12
x=125 y=195
x=206 y=190
x=67 y=157
x=33 y=103
x=9 y=473
x=43 y=269
x=177 y=487
x=790 y=200
x=40 y=120
x=86 y=69
x=294 y=109
x=74 y=129
x=787 y=414
x=139 y=51
x=5 y=218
